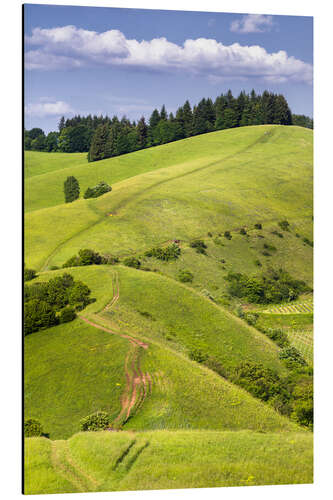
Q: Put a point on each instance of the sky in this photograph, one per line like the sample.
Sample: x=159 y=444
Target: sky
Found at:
x=111 y=61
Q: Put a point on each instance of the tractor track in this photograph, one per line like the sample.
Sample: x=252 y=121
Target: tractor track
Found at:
x=138 y=385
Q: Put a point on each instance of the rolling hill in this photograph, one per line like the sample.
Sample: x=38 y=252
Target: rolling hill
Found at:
x=142 y=350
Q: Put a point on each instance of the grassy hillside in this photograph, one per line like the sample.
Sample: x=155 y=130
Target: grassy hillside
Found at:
x=188 y=200
x=162 y=460
x=83 y=368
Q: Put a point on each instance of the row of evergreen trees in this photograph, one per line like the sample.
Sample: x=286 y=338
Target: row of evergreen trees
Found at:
x=103 y=137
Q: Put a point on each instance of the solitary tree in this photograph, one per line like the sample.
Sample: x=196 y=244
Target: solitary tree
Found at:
x=71 y=189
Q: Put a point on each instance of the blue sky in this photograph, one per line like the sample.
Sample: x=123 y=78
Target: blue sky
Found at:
x=82 y=60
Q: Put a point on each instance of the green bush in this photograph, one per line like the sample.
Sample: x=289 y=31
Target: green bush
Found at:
x=67 y=314
x=269 y=247
x=95 y=422
x=38 y=314
x=308 y=242
x=197 y=354
x=284 y=224
x=32 y=428
x=242 y=231
x=199 y=246
x=185 y=276
x=132 y=262
x=258 y=263
x=29 y=274
x=170 y=252
x=96 y=191
x=251 y=318
x=261 y=382
x=258 y=225
x=271 y=287
x=227 y=235
x=278 y=336
x=109 y=259
x=292 y=357
x=215 y=365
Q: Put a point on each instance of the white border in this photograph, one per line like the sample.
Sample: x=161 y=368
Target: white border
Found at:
x=11 y=244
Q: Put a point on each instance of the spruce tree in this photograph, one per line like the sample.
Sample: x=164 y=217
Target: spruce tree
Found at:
x=71 y=189
x=142 y=131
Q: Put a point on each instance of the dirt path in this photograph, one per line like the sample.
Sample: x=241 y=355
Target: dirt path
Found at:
x=138 y=385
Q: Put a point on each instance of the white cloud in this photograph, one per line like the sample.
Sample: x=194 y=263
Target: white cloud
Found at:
x=43 y=108
x=70 y=47
x=252 y=23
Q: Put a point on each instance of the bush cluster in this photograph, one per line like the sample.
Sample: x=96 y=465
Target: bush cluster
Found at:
x=278 y=336
x=96 y=191
x=242 y=231
x=29 y=274
x=291 y=396
x=292 y=357
x=96 y=422
x=185 y=276
x=272 y=287
x=284 y=225
x=48 y=303
x=132 y=262
x=199 y=246
x=258 y=225
x=170 y=252
x=87 y=257
x=227 y=235
x=32 y=428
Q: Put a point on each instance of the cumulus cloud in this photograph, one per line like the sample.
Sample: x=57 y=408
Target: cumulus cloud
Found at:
x=70 y=47
x=44 y=108
x=252 y=23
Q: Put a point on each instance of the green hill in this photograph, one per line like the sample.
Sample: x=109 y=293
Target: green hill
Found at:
x=142 y=350
x=85 y=372
x=107 y=461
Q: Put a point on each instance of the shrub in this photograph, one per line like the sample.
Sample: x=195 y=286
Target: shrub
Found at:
x=32 y=427
x=215 y=365
x=96 y=422
x=96 y=191
x=292 y=357
x=29 y=274
x=199 y=246
x=132 y=262
x=242 y=231
x=72 y=262
x=109 y=259
x=262 y=382
x=278 y=336
x=170 y=252
x=276 y=233
x=258 y=225
x=209 y=234
x=67 y=314
x=78 y=295
x=272 y=287
x=38 y=314
x=284 y=225
x=251 y=318
x=258 y=263
x=308 y=242
x=227 y=235
x=185 y=276
x=71 y=189
x=196 y=354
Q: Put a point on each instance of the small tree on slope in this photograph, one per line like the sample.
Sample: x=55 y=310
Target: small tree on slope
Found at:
x=71 y=189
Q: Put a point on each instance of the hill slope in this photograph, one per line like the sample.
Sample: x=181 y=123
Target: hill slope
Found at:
x=105 y=461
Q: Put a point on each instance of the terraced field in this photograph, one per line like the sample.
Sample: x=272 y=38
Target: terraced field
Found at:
x=298 y=307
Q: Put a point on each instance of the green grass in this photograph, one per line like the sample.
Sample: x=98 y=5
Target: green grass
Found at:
x=186 y=200
x=36 y=163
x=183 y=459
x=71 y=371
x=86 y=365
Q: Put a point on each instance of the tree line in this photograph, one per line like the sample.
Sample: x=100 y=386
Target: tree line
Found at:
x=103 y=137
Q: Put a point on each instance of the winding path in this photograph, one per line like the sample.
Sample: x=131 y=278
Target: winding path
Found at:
x=138 y=384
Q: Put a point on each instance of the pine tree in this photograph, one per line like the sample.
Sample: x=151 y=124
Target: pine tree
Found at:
x=71 y=189
x=61 y=124
x=163 y=114
x=188 y=119
x=98 y=143
x=142 y=131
